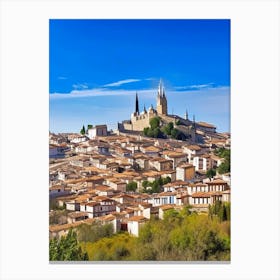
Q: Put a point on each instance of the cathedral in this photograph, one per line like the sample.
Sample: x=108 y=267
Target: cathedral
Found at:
x=190 y=130
x=139 y=120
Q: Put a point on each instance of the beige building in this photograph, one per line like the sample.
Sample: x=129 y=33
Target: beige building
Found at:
x=185 y=172
x=161 y=164
x=140 y=120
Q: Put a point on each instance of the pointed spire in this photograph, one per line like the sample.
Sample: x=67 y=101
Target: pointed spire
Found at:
x=186 y=115
x=145 y=111
x=160 y=88
x=136 y=104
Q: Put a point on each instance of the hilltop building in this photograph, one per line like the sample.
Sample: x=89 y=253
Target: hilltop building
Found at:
x=139 y=120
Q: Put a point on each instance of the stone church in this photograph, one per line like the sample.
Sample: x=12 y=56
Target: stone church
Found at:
x=139 y=120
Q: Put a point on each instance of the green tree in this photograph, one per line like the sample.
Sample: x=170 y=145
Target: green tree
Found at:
x=145 y=131
x=66 y=248
x=172 y=216
x=131 y=187
x=166 y=180
x=168 y=128
x=214 y=244
x=175 y=133
x=154 y=122
x=220 y=210
x=155 y=186
x=224 y=167
x=89 y=126
x=157 y=133
x=145 y=184
x=211 y=173
x=83 y=131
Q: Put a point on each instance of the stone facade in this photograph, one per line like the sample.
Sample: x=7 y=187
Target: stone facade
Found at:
x=139 y=121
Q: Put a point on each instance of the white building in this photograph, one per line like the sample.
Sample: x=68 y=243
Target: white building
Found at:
x=134 y=224
x=98 y=130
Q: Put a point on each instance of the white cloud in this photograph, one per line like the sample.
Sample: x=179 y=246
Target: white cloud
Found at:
x=127 y=81
x=80 y=86
x=81 y=93
x=190 y=87
x=62 y=78
x=99 y=92
x=202 y=90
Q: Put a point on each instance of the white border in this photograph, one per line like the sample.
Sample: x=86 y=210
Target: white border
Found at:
x=254 y=127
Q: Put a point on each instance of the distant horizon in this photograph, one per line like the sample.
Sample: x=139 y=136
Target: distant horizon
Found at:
x=97 y=66
x=146 y=95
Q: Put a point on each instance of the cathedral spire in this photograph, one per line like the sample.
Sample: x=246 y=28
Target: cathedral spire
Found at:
x=193 y=125
x=161 y=100
x=136 y=105
x=163 y=92
x=186 y=115
x=160 y=88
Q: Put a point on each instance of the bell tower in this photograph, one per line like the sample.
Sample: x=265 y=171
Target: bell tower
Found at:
x=161 y=100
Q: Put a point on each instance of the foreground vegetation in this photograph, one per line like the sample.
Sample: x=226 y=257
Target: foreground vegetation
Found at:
x=66 y=249
x=181 y=236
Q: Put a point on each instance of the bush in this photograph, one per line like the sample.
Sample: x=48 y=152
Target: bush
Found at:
x=131 y=187
x=154 y=122
x=66 y=248
x=94 y=232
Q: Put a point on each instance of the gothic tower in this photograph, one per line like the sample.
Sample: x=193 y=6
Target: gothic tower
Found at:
x=136 y=105
x=161 y=100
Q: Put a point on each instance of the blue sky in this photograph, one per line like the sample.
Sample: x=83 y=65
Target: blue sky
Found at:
x=96 y=67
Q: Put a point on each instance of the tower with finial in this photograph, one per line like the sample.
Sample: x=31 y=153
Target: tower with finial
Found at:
x=161 y=100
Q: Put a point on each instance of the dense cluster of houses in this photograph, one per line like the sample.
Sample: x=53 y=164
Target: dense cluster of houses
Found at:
x=89 y=175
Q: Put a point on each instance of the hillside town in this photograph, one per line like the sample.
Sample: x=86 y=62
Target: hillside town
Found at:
x=124 y=178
